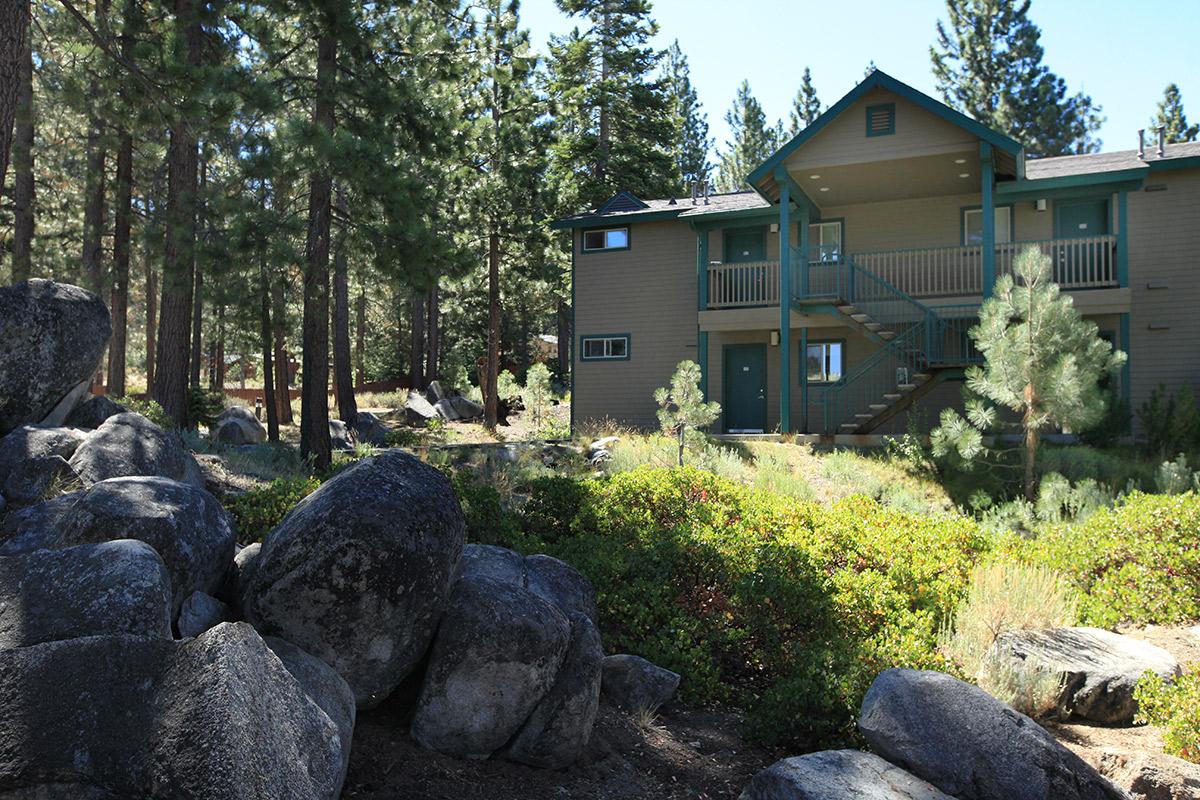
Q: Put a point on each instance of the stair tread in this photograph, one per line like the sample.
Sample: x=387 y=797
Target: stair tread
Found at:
x=878 y=406
x=907 y=387
x=892 y=397
x=863 y=416
x=847 y=309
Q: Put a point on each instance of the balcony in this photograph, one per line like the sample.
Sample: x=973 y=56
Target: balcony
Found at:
x=932 y=272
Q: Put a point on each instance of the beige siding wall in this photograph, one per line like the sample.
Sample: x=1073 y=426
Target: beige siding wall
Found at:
x=1164 y=274
x=845 y=140
x=649 y=292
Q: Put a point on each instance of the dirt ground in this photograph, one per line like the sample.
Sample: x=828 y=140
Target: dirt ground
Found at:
x=681 y=755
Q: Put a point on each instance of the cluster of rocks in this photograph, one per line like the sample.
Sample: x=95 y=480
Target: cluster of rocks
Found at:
x=143 y=654
x=438 y=402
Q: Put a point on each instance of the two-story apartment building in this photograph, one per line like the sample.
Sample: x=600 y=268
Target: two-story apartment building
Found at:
x=836 y=296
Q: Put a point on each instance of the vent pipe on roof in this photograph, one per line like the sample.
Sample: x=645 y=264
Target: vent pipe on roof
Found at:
x=695 y=192
x=707 y=192
x=1142 y=143
x=1162 y=141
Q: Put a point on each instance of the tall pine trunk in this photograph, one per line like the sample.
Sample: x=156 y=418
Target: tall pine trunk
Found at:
x=264 y=313
x=343 y=374
x=151 y=326
x=95 y=180
x=282 y=373
x=491 y=403
x=416 y=355
x=218 y=383
x=433 y=336
x=314 y=389
x=360 y=341
x=122 y=236
x=14 y=27
x=564 y=342
x=1031 y=443
x=197 y=326
x=22 y=158
x=171 y=378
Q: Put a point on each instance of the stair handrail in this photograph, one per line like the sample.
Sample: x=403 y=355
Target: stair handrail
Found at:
x=894 y=349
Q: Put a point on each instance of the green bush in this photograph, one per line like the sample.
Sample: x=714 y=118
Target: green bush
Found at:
x=204 y=407
x=258 y=511
x=1137 y=563
x=787 y=609
x=1174 y=705
x=1171 y=422
x=148 y=409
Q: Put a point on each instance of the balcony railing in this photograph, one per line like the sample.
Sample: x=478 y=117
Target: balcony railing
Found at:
x=1084 y=263
x=743 y=285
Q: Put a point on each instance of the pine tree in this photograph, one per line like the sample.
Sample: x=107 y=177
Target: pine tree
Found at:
x=14 y=28
x=688 y=120
x=752 y=141
x=1170 y=116
x=682 y=410
x=806 y=107
x=22 y=160
x=613 y=120
x=988 y=64
x=1042 y=360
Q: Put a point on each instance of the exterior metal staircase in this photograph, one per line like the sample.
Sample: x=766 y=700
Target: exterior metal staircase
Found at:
x=920 y=345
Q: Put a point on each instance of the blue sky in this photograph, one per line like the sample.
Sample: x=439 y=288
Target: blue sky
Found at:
x=1123 y=54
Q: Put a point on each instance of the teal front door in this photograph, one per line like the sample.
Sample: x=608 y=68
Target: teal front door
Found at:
x=745 y=244
x=745 y=388
x=1081 y=258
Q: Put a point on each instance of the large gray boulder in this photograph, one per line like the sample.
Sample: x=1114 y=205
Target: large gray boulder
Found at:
x=549 y=578
x=108 y=588
x=33 y=524
x=52 y=336
x=129 y=444
x=969 y=744
x=321 y=683
x=1152 y=776
x=558 y=730
x=838 y=775
x=200 y=612
x=237 y=425
x=92 y=413
x=1099 y=669
x=370 y=429
x=341 y=439
x=187 y=526
x=634 y=684
x=358 y=572
x=218 y=717
x=39 y=478
x=496 y=655
x=36 y=441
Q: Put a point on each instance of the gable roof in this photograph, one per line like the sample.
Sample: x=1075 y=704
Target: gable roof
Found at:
x=623 y=201
x=880 y=79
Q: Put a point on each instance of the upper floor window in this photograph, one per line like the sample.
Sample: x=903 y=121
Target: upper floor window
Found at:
x=881 y=119
x=605 y=239
x=825 y=242
x=605 y=348
x=973 y=225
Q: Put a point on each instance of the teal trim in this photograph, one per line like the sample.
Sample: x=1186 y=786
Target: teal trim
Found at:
x=798 y=195
x=594 y=336
x=1099 y=182
x=1126 y=379
x=1186 y=162
x=989 y=219
x=890 y=110
x=1122 y=239
x=583 y=251
x=571 y=345
x=785 y=306
x=804 y=380
x=593 y=221
x=880 y=79
x=962 y=222
x=702 y=289
x=713 y=219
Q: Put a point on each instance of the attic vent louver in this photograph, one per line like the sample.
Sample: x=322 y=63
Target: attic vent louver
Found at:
x=881 y=119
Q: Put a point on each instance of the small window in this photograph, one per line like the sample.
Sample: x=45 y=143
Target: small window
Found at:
x=881 y=119
x=973 y=225
x=605 y=239
x=825 y=242
x=605 y=348
x=825 y=362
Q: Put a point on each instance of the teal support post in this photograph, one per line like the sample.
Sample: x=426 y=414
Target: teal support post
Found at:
x=1126 y=380
x=987 y=179
x=804 y=381
x=785 y=307
x=802 y=256
x=702 y=302
x=1122 y=241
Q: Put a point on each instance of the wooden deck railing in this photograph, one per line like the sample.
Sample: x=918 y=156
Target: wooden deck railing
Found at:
x=1084 y=263
x=747 y=284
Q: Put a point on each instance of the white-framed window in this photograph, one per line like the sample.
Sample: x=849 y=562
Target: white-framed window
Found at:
x=825 y=364
x=611 y=347
x=825 y=242
x=605 y=239
x=973 y=225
